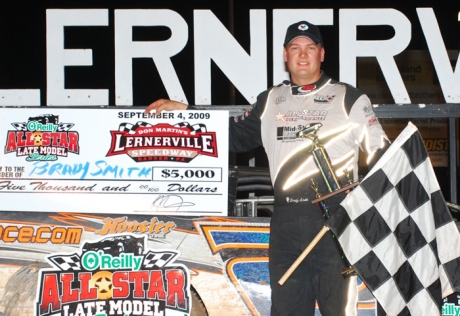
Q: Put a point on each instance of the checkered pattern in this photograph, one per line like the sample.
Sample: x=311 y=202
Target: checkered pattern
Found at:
x=199 y=127
x=131 y=128
x=64 y=127
x=397 y=232
x=157 y=259
x=20 y=126
x=182 y=124
x=66 y=263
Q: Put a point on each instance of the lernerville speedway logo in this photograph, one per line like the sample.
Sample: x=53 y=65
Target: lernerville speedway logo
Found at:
x=42 y=138
x=114 y=276
x=163 y=142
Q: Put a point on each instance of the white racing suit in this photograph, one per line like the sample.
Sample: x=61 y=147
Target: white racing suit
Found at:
x=348 y=124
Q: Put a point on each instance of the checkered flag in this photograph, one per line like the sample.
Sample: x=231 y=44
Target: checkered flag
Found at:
x=182 y=124
x=64 y=127
x=66 y=263
x=131 y=128
x=158 y=259
x=199 y=127
x=20 y=126
x=397 y=231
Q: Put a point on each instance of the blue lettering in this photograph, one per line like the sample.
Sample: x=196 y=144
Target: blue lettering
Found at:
x=41 y=168
x=55 y=168
x=101 y=169
x=99 y=162
x=111 y=169
x=131 y=169
x=85 y=169
x=145 y=172
x=68 y=169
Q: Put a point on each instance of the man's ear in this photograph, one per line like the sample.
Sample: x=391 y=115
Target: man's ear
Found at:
x=284 y=54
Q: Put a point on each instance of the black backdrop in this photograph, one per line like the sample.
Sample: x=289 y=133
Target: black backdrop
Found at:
x=23 y=42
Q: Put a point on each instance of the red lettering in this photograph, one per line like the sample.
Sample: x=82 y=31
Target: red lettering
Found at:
x=139 y=278
x=86 y=293
x=176 y=289
x=55 y=136
x=11 y=144
x=46 y=139
x=21 y=141
x=29 y=140
x=73 y=142
x=156 y=288
x=68 y=294
x=120 y=285
x=63 y=140
x=50 y=294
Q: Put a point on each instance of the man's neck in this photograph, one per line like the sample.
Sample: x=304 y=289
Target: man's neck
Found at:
x=306 y=81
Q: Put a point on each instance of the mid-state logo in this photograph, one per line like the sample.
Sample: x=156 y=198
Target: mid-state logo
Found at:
x=163 y=142
x=42 y=138
x=114 y=276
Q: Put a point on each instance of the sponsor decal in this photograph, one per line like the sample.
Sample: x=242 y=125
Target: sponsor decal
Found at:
x=372 y=121
x=296 y=200
x=42 y=138
x=163 y=142
x=368 y=110
x=303 y=89
x=450 y=309
x=40 y=235
x=116 y=275
x=154 y=228
x=324 y=98
x=303 y=27
x=288 y=133
x=302 y=114
x=280 y=99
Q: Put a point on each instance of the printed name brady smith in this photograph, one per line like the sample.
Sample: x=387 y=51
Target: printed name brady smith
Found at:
x=203 y=143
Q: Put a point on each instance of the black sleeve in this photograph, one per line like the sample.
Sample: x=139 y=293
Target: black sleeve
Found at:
x=244 y=130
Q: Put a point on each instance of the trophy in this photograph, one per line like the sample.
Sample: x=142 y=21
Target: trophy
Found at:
x=334 y=187
x=323 y=163
x=333 y=184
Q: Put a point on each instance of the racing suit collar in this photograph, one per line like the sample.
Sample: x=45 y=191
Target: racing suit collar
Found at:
x=306 y=89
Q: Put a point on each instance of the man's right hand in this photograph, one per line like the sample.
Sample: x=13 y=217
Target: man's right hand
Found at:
x=165 y=105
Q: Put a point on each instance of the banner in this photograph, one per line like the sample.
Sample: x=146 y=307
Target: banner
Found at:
x=114 y=160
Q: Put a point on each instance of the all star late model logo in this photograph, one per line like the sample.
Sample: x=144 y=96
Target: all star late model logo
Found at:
x=180 y=142
x=42 y=138
x=114 y=276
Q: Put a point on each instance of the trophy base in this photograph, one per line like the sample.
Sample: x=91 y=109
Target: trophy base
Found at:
x=342 y=189
x=348 y=272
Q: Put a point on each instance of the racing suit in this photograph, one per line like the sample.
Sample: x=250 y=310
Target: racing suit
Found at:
x=348 y=124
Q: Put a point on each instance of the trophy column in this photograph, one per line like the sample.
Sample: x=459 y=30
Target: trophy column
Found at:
x=333 y=185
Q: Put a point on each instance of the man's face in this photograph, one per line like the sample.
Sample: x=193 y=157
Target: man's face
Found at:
x=303 y=59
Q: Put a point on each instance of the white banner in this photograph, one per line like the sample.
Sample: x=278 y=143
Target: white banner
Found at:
x=114 y=160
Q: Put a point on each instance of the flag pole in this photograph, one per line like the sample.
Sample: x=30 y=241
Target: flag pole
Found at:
x=303 y=255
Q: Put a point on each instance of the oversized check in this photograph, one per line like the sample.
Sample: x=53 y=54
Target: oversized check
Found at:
x=114 y=160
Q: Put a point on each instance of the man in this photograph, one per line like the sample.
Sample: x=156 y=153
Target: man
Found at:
x=346 y=115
